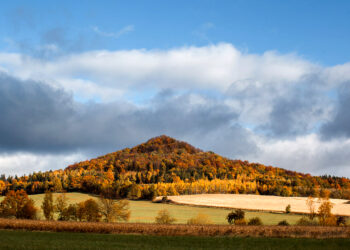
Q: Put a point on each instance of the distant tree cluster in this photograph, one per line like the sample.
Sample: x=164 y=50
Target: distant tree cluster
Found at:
x=19 y=205
x=323 y=216
x=106 y=209
x=164 y=166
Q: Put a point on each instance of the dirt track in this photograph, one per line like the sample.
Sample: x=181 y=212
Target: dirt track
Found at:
x=258 y=202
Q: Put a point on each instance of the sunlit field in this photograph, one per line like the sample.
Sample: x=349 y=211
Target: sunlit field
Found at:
x=146 y=211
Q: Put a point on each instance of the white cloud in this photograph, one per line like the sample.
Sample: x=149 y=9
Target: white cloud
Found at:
x=210 y=67
x=306 y=154
x=270 y=89
x=25 y=163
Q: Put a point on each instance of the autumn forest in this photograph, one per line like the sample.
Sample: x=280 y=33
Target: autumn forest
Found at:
x=164 y=166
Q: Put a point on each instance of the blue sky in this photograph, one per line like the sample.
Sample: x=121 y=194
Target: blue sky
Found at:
x=317 y=30
x=264 y=81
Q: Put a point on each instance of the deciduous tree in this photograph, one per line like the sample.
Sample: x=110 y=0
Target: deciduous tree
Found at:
x=19 y=205
x=48 y=206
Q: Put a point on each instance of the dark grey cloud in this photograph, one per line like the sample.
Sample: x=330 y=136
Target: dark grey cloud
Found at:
x=299 y=110
x=38 y=118
x=339 y=126
x=294 y=114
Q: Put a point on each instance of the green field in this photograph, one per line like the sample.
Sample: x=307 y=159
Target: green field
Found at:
x=49 y=240
x=145 y=211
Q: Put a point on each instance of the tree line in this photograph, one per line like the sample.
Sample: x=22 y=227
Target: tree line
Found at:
x=18 y=205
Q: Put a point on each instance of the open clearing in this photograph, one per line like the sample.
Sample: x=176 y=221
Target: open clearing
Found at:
x=51 y=240
x=146 y=211
x=258 y=202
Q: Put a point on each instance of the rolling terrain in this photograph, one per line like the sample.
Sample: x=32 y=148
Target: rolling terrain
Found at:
x=146 y=211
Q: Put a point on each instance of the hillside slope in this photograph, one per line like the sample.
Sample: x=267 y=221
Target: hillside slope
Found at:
x=165 y=166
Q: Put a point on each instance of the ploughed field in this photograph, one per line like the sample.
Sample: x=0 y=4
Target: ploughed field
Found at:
x=258 y=202
x=146 y=211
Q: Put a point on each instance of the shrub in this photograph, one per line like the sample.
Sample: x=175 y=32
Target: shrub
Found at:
x=29 y=211
x=288 y=208
x=283 y=223
x=87 y=211
x=240 y=222
x=164 y=217
x=200 y=219
x=70 y=213
x=305 y=221
x=341 y=221
x=235 y=215
x=256 y=221
x=164 y=199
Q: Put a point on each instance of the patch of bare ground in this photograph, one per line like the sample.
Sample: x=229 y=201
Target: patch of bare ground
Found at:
x=257 y=202
x=178 y=230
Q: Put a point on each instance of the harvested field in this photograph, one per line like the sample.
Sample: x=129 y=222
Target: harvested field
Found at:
x=258 y=202
x=178 y=230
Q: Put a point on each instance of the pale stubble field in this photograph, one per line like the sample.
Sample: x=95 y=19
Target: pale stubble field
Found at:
x=258 y=202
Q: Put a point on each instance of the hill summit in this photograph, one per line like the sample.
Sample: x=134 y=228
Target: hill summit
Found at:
x=180 y=166
x=165 y=166
x=164 y=144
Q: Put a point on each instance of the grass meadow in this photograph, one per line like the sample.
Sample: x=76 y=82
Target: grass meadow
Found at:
x=146 y=211
x=67 y=241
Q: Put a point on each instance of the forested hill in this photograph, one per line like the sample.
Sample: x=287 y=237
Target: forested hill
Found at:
x=165 y=166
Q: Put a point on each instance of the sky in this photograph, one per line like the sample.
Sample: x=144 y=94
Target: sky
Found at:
x=263 y=81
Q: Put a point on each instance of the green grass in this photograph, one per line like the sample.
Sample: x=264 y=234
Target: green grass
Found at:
x=145 y=211
x=48 y=240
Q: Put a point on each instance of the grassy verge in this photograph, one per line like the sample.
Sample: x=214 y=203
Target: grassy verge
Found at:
x=67 y=241
x=177 y=230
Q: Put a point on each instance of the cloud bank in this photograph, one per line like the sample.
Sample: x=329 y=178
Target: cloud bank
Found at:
x=278 y=109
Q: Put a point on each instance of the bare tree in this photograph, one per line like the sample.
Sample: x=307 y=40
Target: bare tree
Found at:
x=311 y=206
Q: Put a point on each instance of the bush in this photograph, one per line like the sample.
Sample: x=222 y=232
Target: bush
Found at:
x=200 y=219
x=256 y=221
x=164 y=217
x=235 y=215
x=304 y=221
x=283 y=223
x=85 y=211
x=240 y=222
x=70 y=213
x=288 y=208
x=341 y=221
